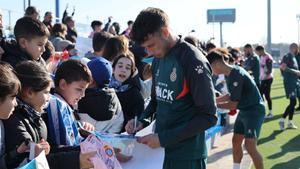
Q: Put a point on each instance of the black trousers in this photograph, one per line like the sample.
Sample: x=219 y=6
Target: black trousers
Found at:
x=290 y=109
x=265 y=90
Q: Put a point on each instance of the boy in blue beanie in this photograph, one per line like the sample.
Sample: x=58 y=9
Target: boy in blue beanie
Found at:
x=101 y=106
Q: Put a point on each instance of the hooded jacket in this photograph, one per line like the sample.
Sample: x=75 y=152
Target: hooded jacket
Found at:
x=14 y=54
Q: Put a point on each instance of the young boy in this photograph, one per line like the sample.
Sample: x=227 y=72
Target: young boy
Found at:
x=245 y=96
x=71 y=79
x=31 y=37
x=101 y=106
x=99 y=40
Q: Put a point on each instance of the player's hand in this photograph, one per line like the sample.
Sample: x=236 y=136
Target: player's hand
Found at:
x=151 y=140
x=85 y=161
x=130 y=126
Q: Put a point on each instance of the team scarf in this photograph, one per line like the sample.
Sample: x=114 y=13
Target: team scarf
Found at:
x=118 y=86
x=63 y=129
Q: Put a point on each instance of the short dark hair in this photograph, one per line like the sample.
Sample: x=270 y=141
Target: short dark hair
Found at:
x=248 y=46
x=100 y=39
x=9 y=82
x=260 y=48
x=58 y=29
x=215 y=56
x=31 y=10
x=72 y=71
x=29 y=28
x=210 y=46
x=33 y=75
x=114 y=46
x=47 y=13
x=129 y=22
x=148 y=22
x=129 y=56
x=96 y=23
x=68 y=19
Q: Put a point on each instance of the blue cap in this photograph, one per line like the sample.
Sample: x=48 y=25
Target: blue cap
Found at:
x=101 y=70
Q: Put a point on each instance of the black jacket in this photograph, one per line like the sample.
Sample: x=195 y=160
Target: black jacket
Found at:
x=132 y=101
x=25 y=124
x=100 y=104
x=14 y=55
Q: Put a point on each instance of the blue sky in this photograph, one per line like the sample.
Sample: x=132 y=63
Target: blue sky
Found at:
x=185 y=15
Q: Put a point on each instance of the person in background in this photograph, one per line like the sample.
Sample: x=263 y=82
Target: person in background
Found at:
x=99 y=40
x=266 y=76
x=58 y=34
x=71 y=31
x=32 y=12
x=114 y=47
x=127 y=31
x=48 y=20
x=251 y=63
x=243 y=95
x=97 y=27
x=290 y=71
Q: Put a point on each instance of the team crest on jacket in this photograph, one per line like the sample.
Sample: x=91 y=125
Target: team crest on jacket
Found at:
x=199 y=69
x=173 y=75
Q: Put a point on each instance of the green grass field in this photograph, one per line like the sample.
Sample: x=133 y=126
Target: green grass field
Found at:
x=280 y=149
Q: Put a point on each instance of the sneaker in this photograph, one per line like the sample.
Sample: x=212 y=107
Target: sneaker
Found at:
x=281 y=125
x=297 y=109
x=269 y=116
x=291 y=125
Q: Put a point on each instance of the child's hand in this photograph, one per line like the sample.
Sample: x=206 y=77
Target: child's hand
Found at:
x=121 y=157
x=23 y=148
x=42 y=145
x=85 y=161
x=88 y=126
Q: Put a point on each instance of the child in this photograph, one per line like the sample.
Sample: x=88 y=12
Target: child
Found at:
x=9 y=87
x=245 y=96
x=101 y=106
x=71 y=79
x=99 y=40
x=128 y=93
x=291 y=73
x=26 y=123
x=31 y=36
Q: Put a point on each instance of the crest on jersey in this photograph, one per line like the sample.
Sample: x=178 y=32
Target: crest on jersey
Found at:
x=235 y=84
x=173 y=75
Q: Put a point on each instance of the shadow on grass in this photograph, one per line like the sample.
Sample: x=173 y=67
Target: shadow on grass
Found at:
x=292 y=164
x=291 y=146
x=278 y=97
x=269 y=138
x=276 y=117
x=276 y=88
